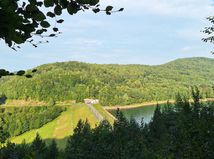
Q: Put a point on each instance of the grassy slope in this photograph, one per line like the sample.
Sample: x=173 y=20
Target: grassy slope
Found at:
x=61 y=127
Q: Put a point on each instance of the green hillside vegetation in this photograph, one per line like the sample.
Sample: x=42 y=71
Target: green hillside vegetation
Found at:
x=16 y=121
x=182 y=130
x=63 y=126
x=23 y=103
x=112 y=84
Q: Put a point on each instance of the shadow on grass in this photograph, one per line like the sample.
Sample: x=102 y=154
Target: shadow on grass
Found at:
x=61 y=143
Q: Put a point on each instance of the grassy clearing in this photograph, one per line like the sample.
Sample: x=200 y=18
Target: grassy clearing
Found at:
x=23 y=103
x=105 y=113
x=60 y=128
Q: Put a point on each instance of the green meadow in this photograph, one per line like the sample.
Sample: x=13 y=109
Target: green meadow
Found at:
x=62 y=127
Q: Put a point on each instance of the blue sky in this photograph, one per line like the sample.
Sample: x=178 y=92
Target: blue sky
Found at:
x=147 y=32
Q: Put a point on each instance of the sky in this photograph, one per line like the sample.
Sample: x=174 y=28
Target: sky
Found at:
x=147 y=32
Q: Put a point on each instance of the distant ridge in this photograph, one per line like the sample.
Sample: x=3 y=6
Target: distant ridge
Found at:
x=195 y=59
x=113 y=84
x=170 y=61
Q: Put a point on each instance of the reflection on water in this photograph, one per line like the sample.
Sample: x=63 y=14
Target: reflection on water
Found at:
x=145 y=112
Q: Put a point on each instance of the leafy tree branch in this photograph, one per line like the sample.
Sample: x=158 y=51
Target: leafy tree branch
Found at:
x=21 y=21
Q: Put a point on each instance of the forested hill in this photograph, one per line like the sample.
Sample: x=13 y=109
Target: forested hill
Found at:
x=112 y=84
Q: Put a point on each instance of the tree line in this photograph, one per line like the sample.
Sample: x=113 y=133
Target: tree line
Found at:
x=15 y=121
x=179 y=131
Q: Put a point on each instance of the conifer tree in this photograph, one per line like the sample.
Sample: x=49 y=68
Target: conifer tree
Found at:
x=52 y=150
x=38 y=148
x=3 y=134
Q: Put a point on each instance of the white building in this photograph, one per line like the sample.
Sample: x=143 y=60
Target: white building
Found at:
x=91 y=101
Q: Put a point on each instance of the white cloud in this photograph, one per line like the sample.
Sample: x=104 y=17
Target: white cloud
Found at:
x=184 y=8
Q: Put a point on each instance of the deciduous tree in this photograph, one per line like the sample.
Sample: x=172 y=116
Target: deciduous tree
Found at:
x=21 y=21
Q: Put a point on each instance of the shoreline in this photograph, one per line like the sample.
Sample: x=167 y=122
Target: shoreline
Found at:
x=146 y=104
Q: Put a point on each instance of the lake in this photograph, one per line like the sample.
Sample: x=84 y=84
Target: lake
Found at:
x=145 y=112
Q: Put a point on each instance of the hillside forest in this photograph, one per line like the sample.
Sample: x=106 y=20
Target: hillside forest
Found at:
x=17 y=120
x=112 y=84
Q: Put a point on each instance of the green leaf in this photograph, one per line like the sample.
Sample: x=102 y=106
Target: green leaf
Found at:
x=9 y=42
x=121 y=9
x=52 y=35
x=63 y=3
x=96 y=10
x=60 y=21
x=108 y=13
x=58 y=10
x=45 y=24
x=17 y=39
x=50 y=14
x=48 y=3
x=83 y=1
x=109 y=8
x=55 y=29
x=39 y=16
x=73 y=8
x=31 y=8
x=94 y=2
x=39 y=4
x=39 y=31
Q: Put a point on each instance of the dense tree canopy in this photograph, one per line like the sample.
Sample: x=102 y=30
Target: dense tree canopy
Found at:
x=15 y=121
x=112 y=84
x=21 y=20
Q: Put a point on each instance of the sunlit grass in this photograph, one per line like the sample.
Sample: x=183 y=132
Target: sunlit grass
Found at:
x=60 y=128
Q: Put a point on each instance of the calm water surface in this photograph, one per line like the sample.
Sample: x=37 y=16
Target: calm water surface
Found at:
x=145 y=112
